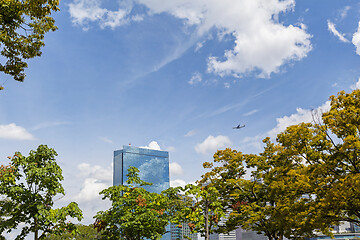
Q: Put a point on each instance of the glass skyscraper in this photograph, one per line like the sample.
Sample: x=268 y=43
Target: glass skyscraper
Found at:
x=153 y=166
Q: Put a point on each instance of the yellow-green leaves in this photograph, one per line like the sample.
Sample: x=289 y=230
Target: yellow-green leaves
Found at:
x=203 y=209
x=308 y=179
x=23 y=24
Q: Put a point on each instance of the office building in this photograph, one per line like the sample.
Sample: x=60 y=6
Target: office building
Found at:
x=223 y=236
x=343 y=231
x=249 y=235
x=237 y=234
x=153 y=166
x=340 y=236
x=182 y=231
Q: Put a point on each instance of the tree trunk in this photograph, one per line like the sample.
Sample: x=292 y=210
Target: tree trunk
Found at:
x=36 y=229
x=207 y=235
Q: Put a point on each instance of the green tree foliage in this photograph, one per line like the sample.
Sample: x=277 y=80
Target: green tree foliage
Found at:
x=23 y=24
x=136 y=213
x=274 y=201
x=203 y=210
x=307 y=180
x=83 y=232
x=28 y=187
x=331 y=148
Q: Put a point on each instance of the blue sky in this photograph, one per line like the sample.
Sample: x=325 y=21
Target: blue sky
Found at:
x=177 y=75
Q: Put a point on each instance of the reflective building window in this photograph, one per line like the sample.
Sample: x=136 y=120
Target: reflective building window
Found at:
x=153 y=166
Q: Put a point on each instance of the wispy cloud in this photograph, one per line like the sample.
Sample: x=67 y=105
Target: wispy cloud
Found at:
x=228 y=108
x=105 y=139
x=198 y=46
x=49 y=124
x=196 y=78
x=12 y=131
x=344 y=12
x=333 y=30
x=175 y=53
x=250 y=113
x=233 y=107
x=179 y=49
x=190 y=133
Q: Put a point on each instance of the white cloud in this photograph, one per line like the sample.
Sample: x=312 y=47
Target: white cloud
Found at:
x=190 y=133
x=89 y=200
x=177 y=183
x=211 y=144
x=93 y=179
x=90 y=190
x=262 y=43
x=356 y=40
x=175 y=169
x=227 y=85
x=333 y=30
x=84 y=11
x=95 y=172
x=152 y=145
x=263 y=50
x=105 y=139
x=115 y=18
x=12 y=131
x=301 y=115
x=196 y=78
x=356 y=85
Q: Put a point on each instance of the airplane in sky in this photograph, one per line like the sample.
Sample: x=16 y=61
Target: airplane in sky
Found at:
x=239 y=126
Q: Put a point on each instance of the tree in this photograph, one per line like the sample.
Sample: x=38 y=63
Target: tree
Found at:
x=28 y=186
x=83 y=232
x=331 y=148
x=307 y=180
x=23 y=24
x=207 y=208
x=274 y=201
x=204 y=210
x=136 y=213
